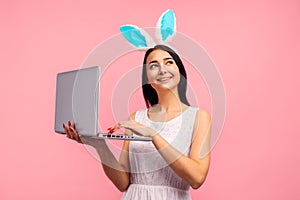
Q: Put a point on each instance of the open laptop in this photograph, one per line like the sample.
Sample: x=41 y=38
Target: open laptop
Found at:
x=77 y=97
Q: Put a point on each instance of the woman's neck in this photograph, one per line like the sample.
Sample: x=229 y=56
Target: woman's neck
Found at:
x=169 y=101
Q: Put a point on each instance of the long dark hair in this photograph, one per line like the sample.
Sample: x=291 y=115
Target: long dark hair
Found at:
x=150 y=95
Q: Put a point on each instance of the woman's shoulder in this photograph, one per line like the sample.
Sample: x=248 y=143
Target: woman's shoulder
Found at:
x=202 y=115
x=202 y=111
x=132 y=116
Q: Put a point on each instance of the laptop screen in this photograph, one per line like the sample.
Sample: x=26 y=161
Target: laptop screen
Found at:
x=77 y=97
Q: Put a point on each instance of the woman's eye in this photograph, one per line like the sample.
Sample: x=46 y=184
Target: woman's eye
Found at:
x=153 y=66
x=170 y=62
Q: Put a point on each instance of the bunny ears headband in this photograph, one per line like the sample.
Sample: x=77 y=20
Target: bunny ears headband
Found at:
x=140 y=39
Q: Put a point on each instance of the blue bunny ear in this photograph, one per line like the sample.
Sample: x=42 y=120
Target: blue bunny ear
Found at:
x=166 y=26
x=136 y=36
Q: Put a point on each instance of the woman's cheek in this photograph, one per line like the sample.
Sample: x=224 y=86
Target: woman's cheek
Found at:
x=151 y=78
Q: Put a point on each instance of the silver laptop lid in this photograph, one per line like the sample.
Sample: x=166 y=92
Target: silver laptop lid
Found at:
x=77 y=94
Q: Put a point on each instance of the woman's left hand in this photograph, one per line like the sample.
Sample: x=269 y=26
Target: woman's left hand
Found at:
x=135 y=127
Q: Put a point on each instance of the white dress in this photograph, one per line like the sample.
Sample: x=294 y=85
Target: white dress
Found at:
x=150 y=177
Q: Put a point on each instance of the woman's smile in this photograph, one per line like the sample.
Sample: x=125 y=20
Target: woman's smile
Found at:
x=164 y=79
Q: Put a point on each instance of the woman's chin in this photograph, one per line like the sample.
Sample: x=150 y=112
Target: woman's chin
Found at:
x=163 y=87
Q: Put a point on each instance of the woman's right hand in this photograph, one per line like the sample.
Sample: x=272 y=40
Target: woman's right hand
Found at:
x=71 y=132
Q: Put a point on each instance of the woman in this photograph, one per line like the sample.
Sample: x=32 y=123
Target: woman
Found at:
x=178 y=156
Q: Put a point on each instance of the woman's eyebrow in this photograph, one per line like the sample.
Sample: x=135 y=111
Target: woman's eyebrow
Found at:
x=155 y=61
x=168 y=58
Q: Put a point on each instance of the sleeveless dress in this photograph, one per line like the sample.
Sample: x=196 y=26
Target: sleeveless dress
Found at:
x=150 y=176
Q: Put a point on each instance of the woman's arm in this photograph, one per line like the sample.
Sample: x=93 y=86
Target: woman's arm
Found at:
x=194 y=168
x=116 y=171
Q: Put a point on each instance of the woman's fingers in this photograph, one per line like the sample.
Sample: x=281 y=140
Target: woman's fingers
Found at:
x=132 y=126
x=67 y=131
x=125 y=124
x=138 y=128
x=71 y=132
x=76 y=135
x=74 y=132
x=114 y=128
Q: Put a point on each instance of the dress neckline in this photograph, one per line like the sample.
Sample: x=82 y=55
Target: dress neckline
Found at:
x=181 y=114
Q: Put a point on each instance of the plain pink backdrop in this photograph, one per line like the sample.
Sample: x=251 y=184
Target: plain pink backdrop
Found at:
x=255 y=45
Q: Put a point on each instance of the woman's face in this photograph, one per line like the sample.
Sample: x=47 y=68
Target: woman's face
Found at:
x=162 y=71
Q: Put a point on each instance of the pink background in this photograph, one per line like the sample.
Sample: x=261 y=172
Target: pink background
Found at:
x=255 y=45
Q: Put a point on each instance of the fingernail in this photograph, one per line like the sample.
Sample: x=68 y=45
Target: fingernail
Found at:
x=112 y=130
x=64 y=126
x=109 y=129
x=69 y=123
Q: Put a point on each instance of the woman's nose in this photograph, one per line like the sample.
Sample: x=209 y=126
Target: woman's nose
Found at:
x=162 y=69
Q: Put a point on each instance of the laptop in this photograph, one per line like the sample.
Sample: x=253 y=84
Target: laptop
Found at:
x=77 y=98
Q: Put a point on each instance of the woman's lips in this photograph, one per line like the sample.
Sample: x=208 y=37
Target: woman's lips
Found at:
x=164 y=79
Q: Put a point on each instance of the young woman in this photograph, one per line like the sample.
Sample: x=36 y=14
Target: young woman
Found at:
x=178 y=156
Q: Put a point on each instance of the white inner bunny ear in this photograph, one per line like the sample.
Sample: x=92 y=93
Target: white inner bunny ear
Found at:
x=166 y=26
x=136 y=36
x=149 y=40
